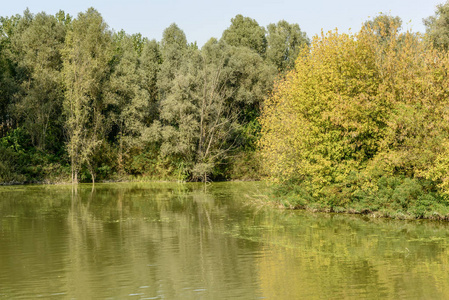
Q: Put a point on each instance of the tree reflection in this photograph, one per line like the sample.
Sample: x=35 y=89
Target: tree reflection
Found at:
x=182 y=241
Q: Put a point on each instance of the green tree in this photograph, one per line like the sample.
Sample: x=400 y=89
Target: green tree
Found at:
x=437 y=26
x=150 y=64
x=173 y=48
x=11 y=75
x=246 y=32
x=213 y=93
x=37 y=51
x=385 y=25
x=87 y=56
x=284 y=42
x=133 y=91
x=6 y=76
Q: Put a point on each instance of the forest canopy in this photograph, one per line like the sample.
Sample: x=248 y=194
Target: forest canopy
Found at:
x=345 y=121
x=80 y=102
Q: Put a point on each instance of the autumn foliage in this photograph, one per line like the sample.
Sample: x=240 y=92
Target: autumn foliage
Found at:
x=362 y=117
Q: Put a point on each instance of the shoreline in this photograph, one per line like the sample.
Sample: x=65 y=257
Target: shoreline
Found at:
x=372 y=214
x=281 y=203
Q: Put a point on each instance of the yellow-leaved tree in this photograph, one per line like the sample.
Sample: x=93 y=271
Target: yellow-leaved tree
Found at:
x=361 y=114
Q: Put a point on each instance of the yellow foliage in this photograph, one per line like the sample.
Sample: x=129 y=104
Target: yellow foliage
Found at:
x=358 y=104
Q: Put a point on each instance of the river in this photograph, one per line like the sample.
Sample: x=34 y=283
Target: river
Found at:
x=195 y=241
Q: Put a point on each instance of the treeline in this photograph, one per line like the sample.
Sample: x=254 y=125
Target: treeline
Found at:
x=361 y=124
x=83 y=103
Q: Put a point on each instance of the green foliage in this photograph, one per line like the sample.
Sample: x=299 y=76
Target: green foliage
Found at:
x=132 y=91
x=9 y=171
x=111 y=105
x=148 y=164
x=173 y=47
x=242 y=165
x=37 y=49
x=87 y=56
x=246 y=32
x=12 y=147
x=16 y=140
x=384 y=25
x=205 y=102
x=437 y=26
x=21 y=162
x=284 y=42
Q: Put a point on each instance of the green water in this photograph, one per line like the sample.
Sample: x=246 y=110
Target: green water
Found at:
x=170 y=241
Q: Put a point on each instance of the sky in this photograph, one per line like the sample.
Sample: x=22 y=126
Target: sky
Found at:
x=202 y=19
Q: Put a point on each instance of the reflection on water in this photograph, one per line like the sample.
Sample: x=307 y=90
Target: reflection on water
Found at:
x=170 y=241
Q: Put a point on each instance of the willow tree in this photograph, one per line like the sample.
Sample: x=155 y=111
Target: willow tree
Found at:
x=8 y=84
x=437 y=26
x=87 y=54
x=230 y=85
x=284 y=41
x=246 y=32
x=132 y=91
x=357 y=108
x=206 y=102
x=37 y=51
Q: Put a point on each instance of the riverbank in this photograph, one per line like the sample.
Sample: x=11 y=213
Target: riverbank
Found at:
x=406 y=200
x=379 y=204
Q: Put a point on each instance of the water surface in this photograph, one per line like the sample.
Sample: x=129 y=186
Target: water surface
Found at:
x=190 y=241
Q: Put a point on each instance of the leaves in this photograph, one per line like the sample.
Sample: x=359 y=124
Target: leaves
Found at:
x=357 y=104
x=87 y=56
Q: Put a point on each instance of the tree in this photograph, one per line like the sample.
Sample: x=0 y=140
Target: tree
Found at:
x=150 y=64
x=284 y=42
x=437 y=26
x=87 y=57
x=11 y=75
x=355 y=110
x=37 y=51
x=385 y=25
x=133 y=91
x=213 y=93
x=7 y=84
x=246 y=32
x=218 y=113
x=173 y=47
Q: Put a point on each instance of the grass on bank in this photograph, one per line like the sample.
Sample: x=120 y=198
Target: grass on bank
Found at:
x=397 y=197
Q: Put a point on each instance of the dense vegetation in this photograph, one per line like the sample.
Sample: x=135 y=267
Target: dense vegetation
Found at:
x=80 y=102
x=361 y=123
x=346 y=122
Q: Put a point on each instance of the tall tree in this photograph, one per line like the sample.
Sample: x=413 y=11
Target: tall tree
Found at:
x=173 y=48
x=246 y=32
x=284 y=42
x=213 y=93
x=133 y=92
x=385 y=26
x=223 y=93
x=11 y=75
x=437 y=26
x=87 y=56
x=37 y=51
x=149 y=65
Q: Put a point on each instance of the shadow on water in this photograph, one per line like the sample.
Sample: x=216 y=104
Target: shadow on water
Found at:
x=188 y=241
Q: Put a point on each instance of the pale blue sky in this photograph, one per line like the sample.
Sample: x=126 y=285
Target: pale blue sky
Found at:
x=202 y=19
